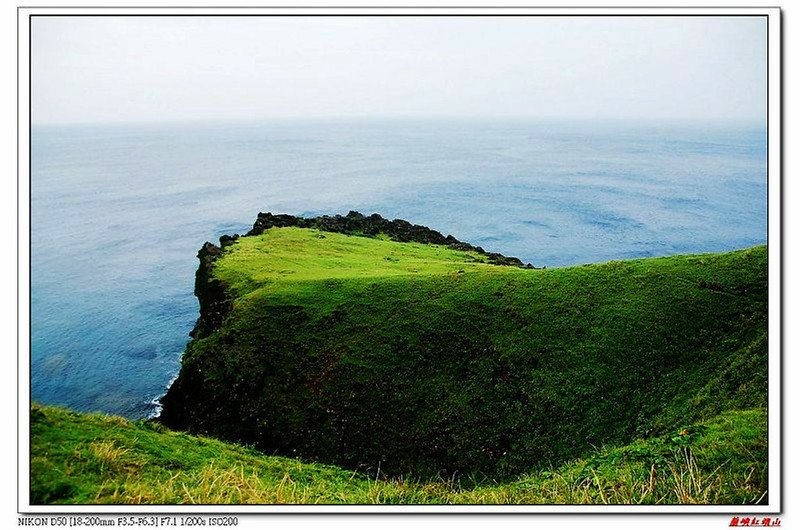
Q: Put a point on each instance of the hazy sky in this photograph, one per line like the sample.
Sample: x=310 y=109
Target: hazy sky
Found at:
x=118 y=69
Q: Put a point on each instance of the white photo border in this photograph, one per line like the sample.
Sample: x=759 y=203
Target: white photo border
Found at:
x=774 y=236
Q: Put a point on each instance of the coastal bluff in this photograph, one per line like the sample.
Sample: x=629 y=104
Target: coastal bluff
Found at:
x=384 y=345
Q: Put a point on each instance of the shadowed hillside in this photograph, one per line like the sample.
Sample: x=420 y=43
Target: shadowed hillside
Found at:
x=92 y=459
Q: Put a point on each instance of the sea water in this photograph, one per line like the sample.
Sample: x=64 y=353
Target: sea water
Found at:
x=118 y=213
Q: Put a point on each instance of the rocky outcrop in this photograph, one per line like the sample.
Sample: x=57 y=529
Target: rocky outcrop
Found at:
x=210 y=292
x=355 y=223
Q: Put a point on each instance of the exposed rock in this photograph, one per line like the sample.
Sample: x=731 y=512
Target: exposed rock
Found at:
x=210 y=292
x=226 y=240
x=355 y=223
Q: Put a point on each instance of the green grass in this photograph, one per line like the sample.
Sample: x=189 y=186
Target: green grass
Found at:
x=93 y=459
x=286 y=257
x=427 y=362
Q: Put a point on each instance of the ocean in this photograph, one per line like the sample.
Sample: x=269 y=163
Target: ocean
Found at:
x=118 y=213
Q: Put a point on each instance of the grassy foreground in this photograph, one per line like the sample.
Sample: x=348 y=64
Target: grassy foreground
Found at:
x=410 y=359
x=92 y=459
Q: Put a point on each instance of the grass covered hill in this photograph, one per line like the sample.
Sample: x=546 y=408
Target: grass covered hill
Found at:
x=93 y=459
x=387 y=349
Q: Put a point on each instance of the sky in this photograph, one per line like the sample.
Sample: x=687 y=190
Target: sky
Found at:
x=152 y=69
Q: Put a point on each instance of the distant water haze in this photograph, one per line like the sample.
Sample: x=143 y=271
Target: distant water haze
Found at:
x=119 y=212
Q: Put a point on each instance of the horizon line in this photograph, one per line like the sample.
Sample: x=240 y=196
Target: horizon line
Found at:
x=414 y=117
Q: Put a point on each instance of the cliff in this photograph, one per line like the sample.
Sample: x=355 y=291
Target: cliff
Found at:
x=381 y=344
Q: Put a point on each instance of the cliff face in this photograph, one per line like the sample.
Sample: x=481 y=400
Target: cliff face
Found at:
x=210 y=292
x=418 y=354
x=215 y=304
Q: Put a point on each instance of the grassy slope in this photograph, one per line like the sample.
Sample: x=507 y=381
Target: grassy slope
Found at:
x=91 y=459
x=284 y=257
x=425 y=360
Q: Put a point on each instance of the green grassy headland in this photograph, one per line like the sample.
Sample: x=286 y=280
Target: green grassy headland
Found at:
x=428 y=361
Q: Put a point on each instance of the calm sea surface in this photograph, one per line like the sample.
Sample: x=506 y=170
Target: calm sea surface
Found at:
x=119 y=212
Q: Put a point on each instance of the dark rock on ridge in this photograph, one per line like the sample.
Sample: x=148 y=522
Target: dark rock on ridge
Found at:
x=210 y=292
x=355 y=223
